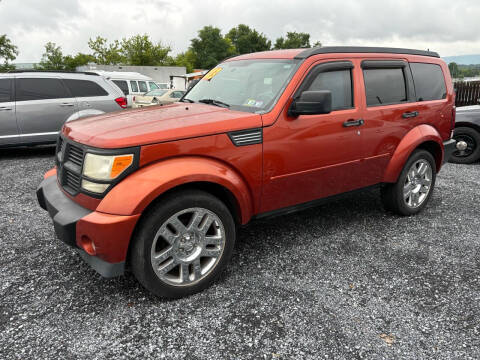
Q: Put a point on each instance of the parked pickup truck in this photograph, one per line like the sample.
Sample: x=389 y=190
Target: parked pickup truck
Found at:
x=467 y=135
x=163 y=189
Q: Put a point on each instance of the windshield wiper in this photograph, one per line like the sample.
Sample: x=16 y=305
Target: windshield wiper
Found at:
x=214 y=102
x=187 y=100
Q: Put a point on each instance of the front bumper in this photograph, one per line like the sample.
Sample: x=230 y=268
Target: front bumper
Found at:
x=449 y=147
x=77 y=226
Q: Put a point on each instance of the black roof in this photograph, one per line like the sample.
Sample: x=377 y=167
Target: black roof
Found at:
x=53 y=71
x=362 y=49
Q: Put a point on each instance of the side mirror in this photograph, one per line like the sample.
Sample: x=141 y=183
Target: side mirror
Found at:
x=312 y=103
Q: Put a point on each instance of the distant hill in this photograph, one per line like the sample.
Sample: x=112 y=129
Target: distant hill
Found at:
x=463 y=59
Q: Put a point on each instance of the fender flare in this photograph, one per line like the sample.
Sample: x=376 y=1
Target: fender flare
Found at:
x=134 y=193
x=412 y=140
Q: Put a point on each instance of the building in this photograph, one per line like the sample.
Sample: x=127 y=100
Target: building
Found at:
x=161 y=74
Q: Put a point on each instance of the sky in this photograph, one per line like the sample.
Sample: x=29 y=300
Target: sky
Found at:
x=450 y=27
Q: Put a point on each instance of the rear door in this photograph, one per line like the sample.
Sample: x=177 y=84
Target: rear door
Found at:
x=8 y=122
x=43 y=104
x=91 y=96
x=389 y=113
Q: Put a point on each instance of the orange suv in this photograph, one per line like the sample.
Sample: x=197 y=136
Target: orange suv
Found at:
x=163 y=189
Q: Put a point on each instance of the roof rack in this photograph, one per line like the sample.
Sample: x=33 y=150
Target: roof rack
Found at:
x=53 y=71
x=362 y=49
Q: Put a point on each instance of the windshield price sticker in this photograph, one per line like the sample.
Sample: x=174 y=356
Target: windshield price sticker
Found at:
x=212 y=73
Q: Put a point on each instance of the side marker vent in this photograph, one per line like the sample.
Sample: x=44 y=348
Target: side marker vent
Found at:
x=246 y=137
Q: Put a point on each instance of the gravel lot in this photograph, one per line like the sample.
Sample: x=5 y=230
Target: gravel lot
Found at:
x=344 y=280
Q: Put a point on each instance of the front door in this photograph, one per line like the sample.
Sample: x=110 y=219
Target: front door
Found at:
x=8 y=122
x=314 y=156
x=43 y=105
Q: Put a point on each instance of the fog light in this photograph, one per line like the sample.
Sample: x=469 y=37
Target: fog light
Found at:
x=88 y=245
x=94 y=187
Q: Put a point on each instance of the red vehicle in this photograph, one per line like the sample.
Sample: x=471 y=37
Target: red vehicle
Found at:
x=163 y=189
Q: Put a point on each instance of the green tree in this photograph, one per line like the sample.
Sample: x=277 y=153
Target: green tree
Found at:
x=454 y=70
x=247 y=40
x=104 y=53
x=210 y=47
x=294 y=40
x=8 y=52
x=52 y=58
x=140 y=50
x=187 y=59
x=72 y=62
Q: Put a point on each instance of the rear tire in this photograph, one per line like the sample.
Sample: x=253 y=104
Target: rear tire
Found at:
x=414 y=187
x=471 y=154
x=182 y=244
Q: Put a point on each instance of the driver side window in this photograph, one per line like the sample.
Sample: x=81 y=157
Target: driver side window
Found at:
x=339 y=82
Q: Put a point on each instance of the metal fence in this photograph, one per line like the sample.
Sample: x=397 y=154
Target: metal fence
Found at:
x=468 y=93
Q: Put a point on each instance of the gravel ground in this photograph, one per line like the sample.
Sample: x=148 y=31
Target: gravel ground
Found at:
x=344 y=280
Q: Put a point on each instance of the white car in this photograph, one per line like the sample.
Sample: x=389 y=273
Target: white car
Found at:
x=158 y=97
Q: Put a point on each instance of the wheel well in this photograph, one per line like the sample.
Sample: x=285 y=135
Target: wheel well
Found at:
x=220 y=192
x=433 y=148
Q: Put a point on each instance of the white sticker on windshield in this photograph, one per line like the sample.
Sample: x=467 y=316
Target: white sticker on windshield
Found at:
x=267 y=81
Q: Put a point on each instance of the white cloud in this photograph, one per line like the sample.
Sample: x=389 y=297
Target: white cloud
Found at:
x=447 y=27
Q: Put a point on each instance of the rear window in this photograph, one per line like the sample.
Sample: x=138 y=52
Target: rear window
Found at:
x=143 y=86
x=122 y=84
x=84 y=88
x=429 y=81
x=384 y=86
x=5 y=90
x=39 y=89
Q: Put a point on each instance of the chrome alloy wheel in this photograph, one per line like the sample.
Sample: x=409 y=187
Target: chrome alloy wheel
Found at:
x=418 y=183
x=188 y=246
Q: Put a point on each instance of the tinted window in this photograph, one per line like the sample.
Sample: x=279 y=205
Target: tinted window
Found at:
x=176 y=94
x=39 y=89
x=339 y=83
x=134 y=86
x=384 y=86
x=153 y=86
x=429 y=82
x=122 y=84
x=143 y=86
x=5 y=90
x=84 y=88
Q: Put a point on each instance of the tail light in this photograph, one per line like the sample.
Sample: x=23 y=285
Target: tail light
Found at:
x=122 y=102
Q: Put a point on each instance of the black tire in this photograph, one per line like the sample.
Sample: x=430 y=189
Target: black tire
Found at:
x=472 y=153
x=140 y=255
x=392 y=194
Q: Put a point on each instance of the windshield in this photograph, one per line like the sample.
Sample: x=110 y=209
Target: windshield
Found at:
x=156 y=92
x=245 y=85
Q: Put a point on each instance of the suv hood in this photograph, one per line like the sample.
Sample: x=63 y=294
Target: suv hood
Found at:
x=158 y=124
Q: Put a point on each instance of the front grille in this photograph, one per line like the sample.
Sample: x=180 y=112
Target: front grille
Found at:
x=69 y=161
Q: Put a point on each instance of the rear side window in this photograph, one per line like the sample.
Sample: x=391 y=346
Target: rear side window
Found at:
x=143 y=86
x=122 y=84
x=134 y=86
x=152 y=85
x=39 y=89
x=385 y=86
x=339 y=83
x=5 y=90
x=429 y=81
x=84 y=88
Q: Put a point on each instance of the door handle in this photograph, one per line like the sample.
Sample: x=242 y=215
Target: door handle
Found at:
x=352 y=122
x=4 y=108
x=408 y=115
x=66 y=104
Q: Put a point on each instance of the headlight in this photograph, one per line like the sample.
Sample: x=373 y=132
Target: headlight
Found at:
x=106 y=167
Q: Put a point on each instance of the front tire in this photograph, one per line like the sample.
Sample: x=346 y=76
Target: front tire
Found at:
x=183 y=244
x=414 y=187
x=469 y=152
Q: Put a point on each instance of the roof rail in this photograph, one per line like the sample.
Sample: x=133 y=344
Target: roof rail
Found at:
x=362 y=49
x=53 y=71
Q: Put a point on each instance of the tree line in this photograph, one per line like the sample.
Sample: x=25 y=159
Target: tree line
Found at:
x=458 y=71
x=205 y=51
